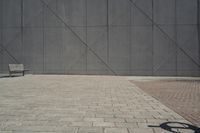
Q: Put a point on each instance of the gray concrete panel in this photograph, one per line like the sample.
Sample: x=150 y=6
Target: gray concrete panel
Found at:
x=1 y=62
x=1 y=59
x=52 y=18
x=119 y=12
x=33 y=47
x=188 y=40
x=1 y=36
x=52 y=4
x=96 y=12
x=75 y=12
x=141 y=50
x=6 y=60
x=186 y=11
x=169 y=31
x=1 y=51
x=146 y=6
x=96 y=66
x=53 y=50
x=1 y=16
x=51 y=37
x=12 y=13
x=185 y=66
x=33 y=19
x=139 y=19
x=164 y=11
x=119 y=49
x=97 y=41
x=74 y=59
x=164 y=54
x=78 y=32
x=12 y=43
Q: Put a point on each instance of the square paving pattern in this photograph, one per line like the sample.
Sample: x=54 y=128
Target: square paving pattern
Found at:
x=183 y=96
x=79 y=104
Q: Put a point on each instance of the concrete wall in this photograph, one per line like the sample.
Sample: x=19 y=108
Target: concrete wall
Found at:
x=117 y=37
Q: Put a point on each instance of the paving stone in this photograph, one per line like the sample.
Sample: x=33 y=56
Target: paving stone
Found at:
x=84 y=104
x=114 y=120
x=41 y=129
x=136 y=120
x=180 y=94
x=90 y=130
x=81 y=124
x=124 y=116
x=126 y=125
x=140 y=130
x=104 y=124
x=116 y=130
x=71 y=119
x=94 y=119
x=105 y=115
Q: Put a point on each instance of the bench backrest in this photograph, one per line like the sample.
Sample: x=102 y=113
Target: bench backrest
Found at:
x=16 y=67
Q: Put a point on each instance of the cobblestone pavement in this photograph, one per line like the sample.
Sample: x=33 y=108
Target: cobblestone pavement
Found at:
x=80 y=104
x=183 y=96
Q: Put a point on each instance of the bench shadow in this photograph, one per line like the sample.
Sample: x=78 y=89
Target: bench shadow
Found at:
x=7 y=76
x=168 y=126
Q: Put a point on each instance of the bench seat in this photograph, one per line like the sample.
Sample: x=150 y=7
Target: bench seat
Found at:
x=16 y=68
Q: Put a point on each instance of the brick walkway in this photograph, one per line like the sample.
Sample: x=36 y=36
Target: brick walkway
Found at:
x=183 y=96
x=79 y=104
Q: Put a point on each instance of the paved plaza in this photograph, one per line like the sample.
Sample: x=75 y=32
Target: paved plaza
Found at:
x=82 y=104
x=182 y=95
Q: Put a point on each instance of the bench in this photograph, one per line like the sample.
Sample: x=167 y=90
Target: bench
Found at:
x=16 y=68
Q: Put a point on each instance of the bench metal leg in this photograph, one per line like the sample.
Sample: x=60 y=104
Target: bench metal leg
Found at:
x=23 y=73
x=10 y=74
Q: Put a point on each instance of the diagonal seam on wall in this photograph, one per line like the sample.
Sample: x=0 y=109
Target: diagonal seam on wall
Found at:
x=168 y=37
x=79 y=38
x=9 y=54
x=167 y=58
x=5 y=46
x=18 y=34
x=106 y=31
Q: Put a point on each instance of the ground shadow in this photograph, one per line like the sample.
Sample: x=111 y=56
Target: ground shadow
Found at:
x=172 y=126
x=7 y=76
x=4 y=76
